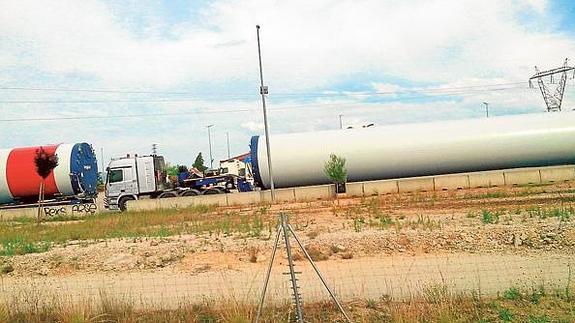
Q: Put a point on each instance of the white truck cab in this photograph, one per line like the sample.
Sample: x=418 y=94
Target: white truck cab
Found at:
x=129 y=178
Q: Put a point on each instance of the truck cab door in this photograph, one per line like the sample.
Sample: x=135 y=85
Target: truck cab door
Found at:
x=121 y=181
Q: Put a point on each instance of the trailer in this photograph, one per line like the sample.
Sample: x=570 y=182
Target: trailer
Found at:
x=135 y=177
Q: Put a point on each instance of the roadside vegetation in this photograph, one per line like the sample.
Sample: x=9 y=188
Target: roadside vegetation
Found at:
x=23 y=235
x=435 y=304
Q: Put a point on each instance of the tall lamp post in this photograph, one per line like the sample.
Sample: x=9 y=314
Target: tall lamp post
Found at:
x=228 y=143
x=486 y=109
x=263 y=92
x=210 y=146
x=340 y=122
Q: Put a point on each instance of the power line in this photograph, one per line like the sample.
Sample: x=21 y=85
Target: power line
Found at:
x=439 y=91
x=284 y=108
x=121 y=91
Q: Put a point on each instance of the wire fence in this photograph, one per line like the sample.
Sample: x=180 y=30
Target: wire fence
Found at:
x=397 y=277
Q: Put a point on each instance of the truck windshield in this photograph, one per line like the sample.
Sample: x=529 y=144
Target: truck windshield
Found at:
x=115 y=175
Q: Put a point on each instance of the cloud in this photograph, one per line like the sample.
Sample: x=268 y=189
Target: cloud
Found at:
x=304 y=44
x=321 y=59
x=253 y=126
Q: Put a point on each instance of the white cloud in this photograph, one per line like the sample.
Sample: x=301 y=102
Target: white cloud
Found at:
x=253 y=126
x=306 y=46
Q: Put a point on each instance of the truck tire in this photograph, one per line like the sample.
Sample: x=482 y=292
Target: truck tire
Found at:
x=167 y=195
x=211 y=191
x=122 y=202
x=190 y=192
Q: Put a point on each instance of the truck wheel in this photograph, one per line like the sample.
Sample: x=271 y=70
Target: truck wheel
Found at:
x=167 y=195
x=211 y=191
x=190 y=192
x=122 y=202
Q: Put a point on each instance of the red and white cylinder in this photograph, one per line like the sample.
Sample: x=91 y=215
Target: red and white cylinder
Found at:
x=20 y=182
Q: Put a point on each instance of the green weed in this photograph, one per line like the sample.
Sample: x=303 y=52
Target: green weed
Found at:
x=505 y=315
x=512 y=294
x=489 y=217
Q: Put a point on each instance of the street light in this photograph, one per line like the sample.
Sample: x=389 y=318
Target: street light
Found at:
x=210 y=145
x=263 y=92
x=228 y=142
x=340 y=122
x=486 y=109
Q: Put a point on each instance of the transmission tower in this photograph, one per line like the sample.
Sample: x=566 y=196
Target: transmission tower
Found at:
x=553 y=101
x=154 y=149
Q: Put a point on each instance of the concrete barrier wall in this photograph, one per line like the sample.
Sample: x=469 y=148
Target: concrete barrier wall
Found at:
x=416 y=184
x=486 y=179
x=244 y=198
x=311 y=193
x=524 y=176
x=76 y=210
x=557 y=174
x=354 y=189
x=380 y=187
x=281 y=195
x=451 y=182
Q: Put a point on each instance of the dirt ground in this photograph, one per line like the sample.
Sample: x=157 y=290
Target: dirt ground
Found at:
x=480 y=240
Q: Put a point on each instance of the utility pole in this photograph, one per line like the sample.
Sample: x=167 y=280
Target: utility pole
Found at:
x=486 y=109
x=263 y=92
x=228 y=142
x=552 y=100
x=102 y=159
x=210 y=146
x=340 y=122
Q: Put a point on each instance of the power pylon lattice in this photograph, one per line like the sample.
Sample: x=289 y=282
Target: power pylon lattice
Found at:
x=552 y=100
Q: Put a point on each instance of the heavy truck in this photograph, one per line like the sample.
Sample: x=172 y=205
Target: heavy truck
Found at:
x=136 y=177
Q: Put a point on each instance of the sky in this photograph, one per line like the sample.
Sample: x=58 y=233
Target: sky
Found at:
x=123 y=75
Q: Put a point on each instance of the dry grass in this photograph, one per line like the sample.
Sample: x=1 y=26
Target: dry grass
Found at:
x=436 y=304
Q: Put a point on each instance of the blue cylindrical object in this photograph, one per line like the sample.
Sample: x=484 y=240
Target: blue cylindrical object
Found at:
x=76 y=174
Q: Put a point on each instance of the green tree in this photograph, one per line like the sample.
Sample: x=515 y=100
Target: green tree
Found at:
x=172 y=170
x=199 y=163
x=335 y=169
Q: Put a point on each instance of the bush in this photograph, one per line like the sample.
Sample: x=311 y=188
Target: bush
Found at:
x=335 y=169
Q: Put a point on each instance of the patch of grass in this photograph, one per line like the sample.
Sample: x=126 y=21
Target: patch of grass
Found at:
x=562 y=213
x=512 y=294
x=371 y=304
x=488 y=195
x=358 y=224
x=426 y=223
x=489 y=217
x=31 y=238
x=442 y=307
x=12 y=246
x=537 y=294
x=539 y=319
x=505 y=315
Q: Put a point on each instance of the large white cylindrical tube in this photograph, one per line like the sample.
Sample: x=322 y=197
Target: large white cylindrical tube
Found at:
x=419 y=149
